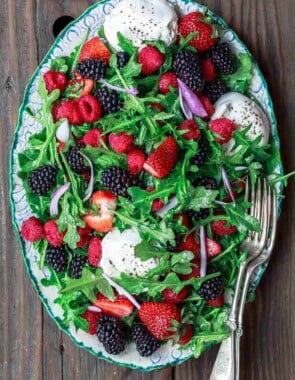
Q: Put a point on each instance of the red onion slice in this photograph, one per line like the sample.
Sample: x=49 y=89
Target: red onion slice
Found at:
x=63 y=131
x=122 y=291
x=227 y=185
x=203 y=269
x=131 y=91
x=173 y=202
x=53 y=209
x=95 y=309
x=184 y=106
x=91 y=182
x=194 y=103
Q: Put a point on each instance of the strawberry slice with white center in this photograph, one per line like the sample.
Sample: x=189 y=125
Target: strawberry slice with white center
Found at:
x=120 y=307
x=162 y=160
x=102 y=221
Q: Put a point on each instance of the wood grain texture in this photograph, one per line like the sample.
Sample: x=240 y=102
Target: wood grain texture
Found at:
x=31 y=345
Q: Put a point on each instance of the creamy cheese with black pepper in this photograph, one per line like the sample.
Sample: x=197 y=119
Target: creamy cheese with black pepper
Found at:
x=118 y=254
x=140 y=20
x=243 y=112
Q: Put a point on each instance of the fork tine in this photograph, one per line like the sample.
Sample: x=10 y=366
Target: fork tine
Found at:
x=266 y=209
x=252 y=200
x=258 y=202
x=273 y=222
x=247 y=190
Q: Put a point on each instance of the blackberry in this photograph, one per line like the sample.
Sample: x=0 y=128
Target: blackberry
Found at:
x=93 y=68
x=187 y=67
x=208 y=182
x=77 y=265
x=118 y=180
x=57 y=258
x=214 y=89
x=198 y=215
x=122 y=58
x=146 y=343
x=76 y=160
x=42 y=179
x=211 y=289
x=109 y=100
x=204 y=150
x=223 y=59
x=111 y=334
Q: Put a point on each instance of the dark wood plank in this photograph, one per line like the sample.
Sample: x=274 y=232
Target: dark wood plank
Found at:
x=32 y=347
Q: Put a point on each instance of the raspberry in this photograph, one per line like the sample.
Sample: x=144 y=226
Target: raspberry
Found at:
x=157 y=204
x=55 y=80
x=120 y=142
x=68 y=109
x=151 y=60
x=92 y=319
x=193 y=133
x=94 y=252
x=209 y=70
x=135 y=160
x=93 y=137
x=170 y=296
x=224 y=128
x=32 y=230
x=219 y=227
x=90 y=108
x=52 y=234
x=166 y=81
x=84 y=234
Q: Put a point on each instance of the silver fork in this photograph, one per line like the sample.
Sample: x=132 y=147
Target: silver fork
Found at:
x=227 y=363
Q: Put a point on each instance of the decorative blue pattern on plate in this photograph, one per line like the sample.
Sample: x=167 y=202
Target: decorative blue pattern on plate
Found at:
x=92 y=18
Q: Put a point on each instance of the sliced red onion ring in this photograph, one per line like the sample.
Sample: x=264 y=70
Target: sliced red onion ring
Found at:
x=91 y=182
x=95 y=309
x=203 y=269
x=184 y=106
x=131 y=91
x=194 y=103
x=227 y=185
x=221 y=203
x=173 y=202
x=237 y=168
x=53 y=209
x=122 y=291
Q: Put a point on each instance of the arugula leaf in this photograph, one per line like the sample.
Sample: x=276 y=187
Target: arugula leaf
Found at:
x=240 y=80
x=240 y=218
x=60 y=64
x=89 y=284
x=146 y=251
x=125 y=44
x=200 y=197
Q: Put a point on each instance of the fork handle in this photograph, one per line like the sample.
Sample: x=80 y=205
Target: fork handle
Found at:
x=224 y=364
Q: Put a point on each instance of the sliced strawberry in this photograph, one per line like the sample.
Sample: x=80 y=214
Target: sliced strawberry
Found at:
x=103 y=221
x=95 y=48
x=162 y=160
x=208 y=106
x=84 y=234
x=213 y=248
x=186 y=335
x=120 y=307
x=92 y=319
x=84 y=85
x=218 y=302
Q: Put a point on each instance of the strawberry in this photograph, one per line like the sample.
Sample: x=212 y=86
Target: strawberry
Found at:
x=103 y=220
x=95 y=252
x=151 y=60
x=170 y=296
x=219 y=228
x=188 y=243
x=52 y=233
x=83 y=85
x=195 y=271
x=162 y=160
x=167 y=80
x=135 y=160
x=194 y=22
x=61 y=146
x=84 y=234
x=224 y=128
x=120 y=307
x=209 y=70
x=121 y=143
x=95 y=48
x=157 y=204
x=92 y=319
x=187 y=332
x=32 y=229
x=208 y=106
x=213 y=248
x=94 y=137
x=191 y=126
x=68 y=109
x=90 y=108
x=157 y=316
x=185 y=219
x=218 y=302
x=54 y=80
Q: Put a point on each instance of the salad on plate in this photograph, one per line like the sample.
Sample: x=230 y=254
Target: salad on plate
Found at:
x=136 y=179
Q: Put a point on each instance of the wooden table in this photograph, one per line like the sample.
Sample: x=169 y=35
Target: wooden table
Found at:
x=32 y=347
